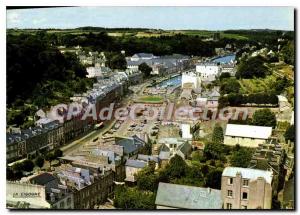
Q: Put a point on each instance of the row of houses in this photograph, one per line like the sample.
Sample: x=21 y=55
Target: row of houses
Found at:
x=161 y=65
x=51 y=133
x=84 y=179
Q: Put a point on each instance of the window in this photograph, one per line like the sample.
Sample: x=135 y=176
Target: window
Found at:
x=62 y=205
x=244 y=207
x=228 y=206
x=245 y=195
x=246 y=182
x=230 y=180
x=229 y=193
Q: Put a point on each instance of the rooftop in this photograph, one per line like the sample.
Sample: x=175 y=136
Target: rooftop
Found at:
x=188 y=197
x=247 y=173
x=250 y=131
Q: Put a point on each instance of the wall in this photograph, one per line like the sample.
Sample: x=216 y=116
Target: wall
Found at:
x=245 y=142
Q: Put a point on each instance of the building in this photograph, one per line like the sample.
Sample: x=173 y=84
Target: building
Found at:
x=175 y=196
x=186 y=131
x=142 y=56
x=132 y=167
x=246 y=135
x=208 y=71
x=270 y=157
x=191 y=78
x=209 y=99
x=172 y=146
x=244 y=188
x=90 y=187
x=39 y=192
x=97 y=71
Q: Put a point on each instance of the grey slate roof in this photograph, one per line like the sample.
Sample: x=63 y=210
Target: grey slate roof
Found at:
x=136 y=163
x=131 y=144
x=188 y=197
x=42 y=179
x=148 y=158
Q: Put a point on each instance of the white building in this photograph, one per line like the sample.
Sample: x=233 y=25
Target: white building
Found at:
x=186 y=131
x=244 y=188
x=142 y=56
x=191 y=78
x=246 y=135
x=208 y=72
x=96 y=71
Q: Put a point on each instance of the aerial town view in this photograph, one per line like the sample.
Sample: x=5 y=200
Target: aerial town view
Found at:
x=150 y=108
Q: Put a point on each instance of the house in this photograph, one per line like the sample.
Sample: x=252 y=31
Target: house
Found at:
x=209 y=98
x=207 y=71
x=89 y=187
x=191 y=78
x=186 y=131
x=175 y=196
x=142 y=56
x=246 y=135
x=132 y=145
x=97 y=71
x=132 y=167
x=173 y=146
x=244 y=188
x=39 y=192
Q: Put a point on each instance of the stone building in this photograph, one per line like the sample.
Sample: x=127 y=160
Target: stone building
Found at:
x=246 y=135
x=42 y=191
x=244 y=188
x=89 y=187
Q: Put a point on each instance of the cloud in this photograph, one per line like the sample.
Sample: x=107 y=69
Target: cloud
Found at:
x=13 y=17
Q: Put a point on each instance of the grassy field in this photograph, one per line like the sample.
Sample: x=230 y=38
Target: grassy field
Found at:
x=136 y=33
x=149 y=99
x=257 y=85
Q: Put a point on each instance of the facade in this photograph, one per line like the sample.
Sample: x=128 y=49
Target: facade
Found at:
x=246 y=135
x=175 y=196
x=132 y=167
x=244 y=188
x=208 y=71
x=191 y=78
x=89 y=187
x=41 y=191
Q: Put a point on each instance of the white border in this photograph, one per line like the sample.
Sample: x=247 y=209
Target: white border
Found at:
x=5 y=3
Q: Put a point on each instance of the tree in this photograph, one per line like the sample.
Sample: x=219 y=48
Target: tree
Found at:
x=241 y=157
x=290 y=133
x=50 y=157
x=217 y=136
x=288 y=53
x=224 y=75
x=213 y=151
x=253 y=67
x=39 y=162
x=28 y=165
x=214 y=179
x=116 y=60
x=57 y=153
x=264 y=117
x=230 y=86
x=145 y=69
x=147 y=179
x=176 y=167
x=133 y=198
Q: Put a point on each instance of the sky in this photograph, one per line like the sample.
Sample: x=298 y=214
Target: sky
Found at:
x=167 y=18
